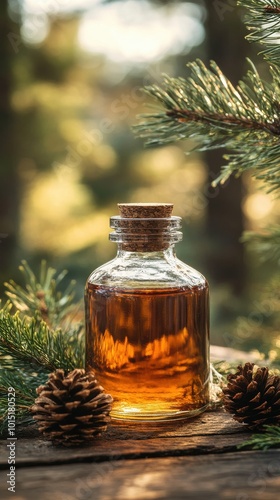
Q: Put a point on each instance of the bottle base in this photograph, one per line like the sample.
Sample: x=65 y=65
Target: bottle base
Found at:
x=153 y=417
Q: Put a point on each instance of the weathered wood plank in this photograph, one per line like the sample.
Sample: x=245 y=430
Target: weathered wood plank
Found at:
x=233 y=476
x=212 y=432
x=31 y=453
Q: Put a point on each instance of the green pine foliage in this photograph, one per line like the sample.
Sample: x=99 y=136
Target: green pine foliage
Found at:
x=40 y=331
x=263 y=21
x=34 y=342
x=270 y=438
x=209 y=109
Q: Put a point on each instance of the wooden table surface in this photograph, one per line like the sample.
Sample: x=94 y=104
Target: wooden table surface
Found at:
x=197 y=459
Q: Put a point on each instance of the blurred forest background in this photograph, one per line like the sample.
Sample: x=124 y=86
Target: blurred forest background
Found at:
x=70 y=90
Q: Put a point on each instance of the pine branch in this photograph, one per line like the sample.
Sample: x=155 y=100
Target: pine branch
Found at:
x=208 y=108
x=272 y=10
x=36 y=344
x=270 y=438
x=263 y=19
x=185 y=116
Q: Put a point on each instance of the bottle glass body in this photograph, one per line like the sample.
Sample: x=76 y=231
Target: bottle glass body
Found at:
x=147 y=331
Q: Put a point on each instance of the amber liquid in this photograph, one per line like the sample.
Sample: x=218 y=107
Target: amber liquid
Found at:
x=149 y=350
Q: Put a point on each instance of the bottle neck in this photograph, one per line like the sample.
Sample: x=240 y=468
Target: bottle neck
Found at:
x=166 y=254
x=139 y=235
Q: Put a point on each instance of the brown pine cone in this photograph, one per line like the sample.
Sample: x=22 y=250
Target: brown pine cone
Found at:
x=253 y=396
x=71 y=409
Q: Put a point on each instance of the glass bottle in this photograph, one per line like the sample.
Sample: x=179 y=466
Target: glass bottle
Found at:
x=147 y=320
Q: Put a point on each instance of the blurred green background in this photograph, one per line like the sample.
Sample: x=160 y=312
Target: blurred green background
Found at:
x=70 y=90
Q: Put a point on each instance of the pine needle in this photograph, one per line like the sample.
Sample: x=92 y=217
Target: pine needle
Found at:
x=35 y=343
x=270 y=438
x=263 y=21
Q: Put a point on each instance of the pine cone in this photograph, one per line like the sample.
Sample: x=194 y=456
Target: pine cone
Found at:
x=253 y=396
x=71 y=409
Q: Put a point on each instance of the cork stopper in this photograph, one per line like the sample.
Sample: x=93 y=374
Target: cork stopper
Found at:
x=145 y=227
x=145 y=210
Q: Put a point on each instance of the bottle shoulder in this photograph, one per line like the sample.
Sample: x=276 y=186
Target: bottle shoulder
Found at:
x=147 y=273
